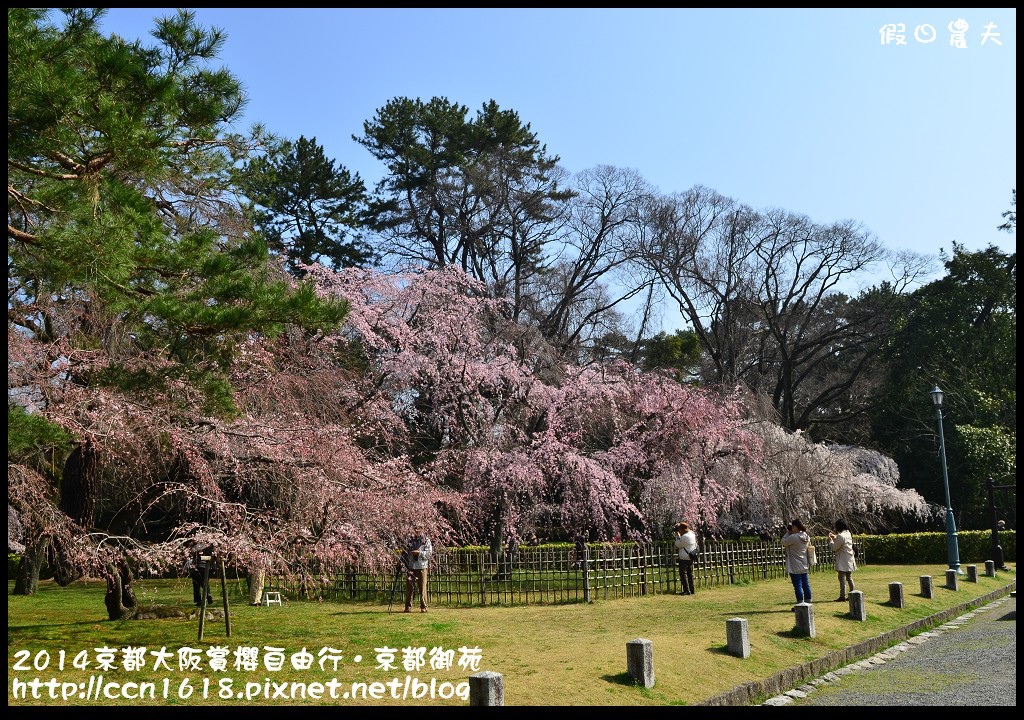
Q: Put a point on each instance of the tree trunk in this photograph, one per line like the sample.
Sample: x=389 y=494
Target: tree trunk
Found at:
x=255 y=578
x=79 y=485
x=79 y=496
x=120 y=598
x=498 y=539
x=645 y=318
x=64 y=572
x=27 y=580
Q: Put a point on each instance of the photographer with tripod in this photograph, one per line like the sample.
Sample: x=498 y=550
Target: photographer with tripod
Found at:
x=416 y=557
x=197 y=568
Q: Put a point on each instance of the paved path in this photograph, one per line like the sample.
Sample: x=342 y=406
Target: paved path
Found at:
x=971 y=660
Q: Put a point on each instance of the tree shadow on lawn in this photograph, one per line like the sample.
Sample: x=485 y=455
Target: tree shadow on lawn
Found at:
x=33 y=628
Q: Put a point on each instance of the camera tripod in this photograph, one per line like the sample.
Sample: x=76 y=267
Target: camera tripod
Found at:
x=401 y=568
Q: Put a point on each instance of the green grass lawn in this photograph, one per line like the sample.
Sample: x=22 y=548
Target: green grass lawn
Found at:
x=573 y=654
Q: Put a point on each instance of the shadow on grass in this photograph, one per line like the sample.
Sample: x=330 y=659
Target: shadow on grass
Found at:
x=794 y=633
x=27 y=628
x=789 y=609
x=625 y=680
x=718 y=649
x=848 y=616
x=621 y=679
x=384 y=611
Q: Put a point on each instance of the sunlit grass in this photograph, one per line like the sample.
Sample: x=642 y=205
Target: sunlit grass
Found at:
x=573 y=654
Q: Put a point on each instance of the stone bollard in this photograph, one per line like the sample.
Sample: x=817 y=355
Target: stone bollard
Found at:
x=896 y=594
x=972 y=573
x=927 y=589
x=737 y=637
x=990 y=568
x=952 y=581
x=486 y=689
x=805 y=619
x=857 y=609
x=640 y=661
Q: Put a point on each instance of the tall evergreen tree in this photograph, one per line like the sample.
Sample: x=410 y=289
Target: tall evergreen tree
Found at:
x=308 y=209
x=469 y=192
x=482 y=193
x=130 y=267
x=958 y=332
x=119 y=200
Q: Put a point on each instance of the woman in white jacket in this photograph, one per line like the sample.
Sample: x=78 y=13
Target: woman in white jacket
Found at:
x=686 y=542
x=846 y=561
x=795 y=542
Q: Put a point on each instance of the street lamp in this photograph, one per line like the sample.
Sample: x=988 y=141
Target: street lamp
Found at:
x=952 y=551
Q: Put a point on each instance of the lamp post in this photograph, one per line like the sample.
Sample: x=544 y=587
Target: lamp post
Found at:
x=952 y=551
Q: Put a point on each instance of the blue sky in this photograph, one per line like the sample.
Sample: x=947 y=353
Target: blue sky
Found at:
x=805 y=110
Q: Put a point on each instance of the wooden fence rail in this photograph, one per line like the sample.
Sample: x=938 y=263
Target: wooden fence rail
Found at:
x=545 y=575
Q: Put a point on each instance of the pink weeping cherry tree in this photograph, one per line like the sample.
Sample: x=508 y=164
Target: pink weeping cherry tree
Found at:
x=602 y=450
x=427 y=405
x=286 y=483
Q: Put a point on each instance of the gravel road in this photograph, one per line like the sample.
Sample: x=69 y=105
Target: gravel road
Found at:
x=971 y=660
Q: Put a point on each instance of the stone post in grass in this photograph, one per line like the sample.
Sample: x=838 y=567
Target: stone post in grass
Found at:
x=737 y=637
x=896 y=594
x=858 y=611
x=486 y=689
x=640 y=661
x=805 y=619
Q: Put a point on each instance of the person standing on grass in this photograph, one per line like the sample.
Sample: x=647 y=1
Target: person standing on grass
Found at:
x=795 y=541
x=418 y=550
x=846 y=561
x=194 y=567
x=686 y=542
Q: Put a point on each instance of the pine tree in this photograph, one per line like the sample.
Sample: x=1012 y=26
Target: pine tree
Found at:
x=308 y=209
x=132 y=277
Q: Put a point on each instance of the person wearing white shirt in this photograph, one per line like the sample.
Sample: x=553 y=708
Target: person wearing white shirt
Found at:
x=686 y=542
x=417 y=557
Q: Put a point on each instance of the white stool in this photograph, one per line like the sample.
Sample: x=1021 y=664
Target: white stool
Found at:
x=271 y=598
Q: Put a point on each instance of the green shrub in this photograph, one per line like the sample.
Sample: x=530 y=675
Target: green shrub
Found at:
x=975 y=547
x=14 y=560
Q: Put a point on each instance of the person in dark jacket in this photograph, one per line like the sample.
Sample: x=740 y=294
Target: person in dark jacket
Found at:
x=195 y=567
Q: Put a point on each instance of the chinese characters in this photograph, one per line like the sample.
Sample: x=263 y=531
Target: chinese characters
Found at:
x=925 y=34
